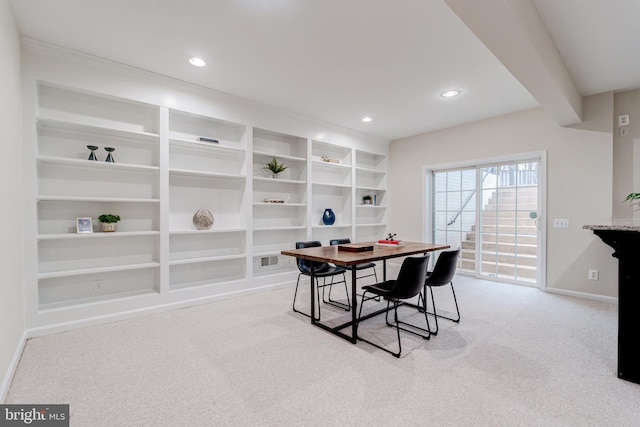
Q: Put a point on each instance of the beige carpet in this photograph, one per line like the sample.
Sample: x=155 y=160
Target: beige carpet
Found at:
x=520 y=357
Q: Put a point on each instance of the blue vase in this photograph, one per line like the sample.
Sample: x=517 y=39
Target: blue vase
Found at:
x=328 y=217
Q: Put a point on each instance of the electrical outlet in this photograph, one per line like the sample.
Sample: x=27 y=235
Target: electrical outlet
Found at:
x=623 y=120
x=98 y=284
x=560 y=223
x=593 y=274
x=623 y=131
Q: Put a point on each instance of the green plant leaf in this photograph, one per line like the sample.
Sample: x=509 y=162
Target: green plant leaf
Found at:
x=275 y=167
x=633 y=199
x=109 y=218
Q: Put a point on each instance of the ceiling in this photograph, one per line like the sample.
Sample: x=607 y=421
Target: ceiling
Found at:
x=339 y=61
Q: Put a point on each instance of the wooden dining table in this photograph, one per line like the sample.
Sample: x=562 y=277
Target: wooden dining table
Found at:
x=345 y=258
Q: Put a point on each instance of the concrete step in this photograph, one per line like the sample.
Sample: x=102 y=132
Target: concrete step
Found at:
x=503 y=258
x=512 y=191
x=506 y=214
x=508 y=229
x=512 y=206
x=509 y=221
x=501 y=199
x=509 y=248
x=505 y=238
x=505 y=270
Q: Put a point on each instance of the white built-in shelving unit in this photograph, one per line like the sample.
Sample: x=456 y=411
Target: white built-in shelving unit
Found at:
x=164 y=171
x=371 y=179
x=75 y=268
x=332 y=187
x=212 y=176
x=279 y=203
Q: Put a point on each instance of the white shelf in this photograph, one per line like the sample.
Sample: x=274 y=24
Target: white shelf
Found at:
x=278 y=180
x=210 y=231
x=327 y=227
x=91 y=164
x=327 y=184
x=374 y=189
x=370 y=171
x=87 y=127
x=185 y=172
x=96 y=235
x=194 y=144
x=85 y=271
x=379 y=224
x=96 y=199
x=202 y=283
x=331 y=164
x=370 y=207
x=279 y=156
x=206 y=259
x=282 y=205
x=105 y=112
x=293 y=227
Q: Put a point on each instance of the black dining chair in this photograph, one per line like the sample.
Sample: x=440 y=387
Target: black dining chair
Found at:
x=321 y=270
x=442 y=275
x=407 y=285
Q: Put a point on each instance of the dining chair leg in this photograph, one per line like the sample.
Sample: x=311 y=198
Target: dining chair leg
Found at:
x=395 y=315
x=335 y=303
x=436 y=315
x=397 y=324
x=295 y=294
x=427 y=332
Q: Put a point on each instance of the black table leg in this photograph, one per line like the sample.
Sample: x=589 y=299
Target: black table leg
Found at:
x=354 y=306
x=312 y=278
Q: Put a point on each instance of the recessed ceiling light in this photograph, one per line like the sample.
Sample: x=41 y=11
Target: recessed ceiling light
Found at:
x=450 y=93
x=197 y=62
x=366 y=119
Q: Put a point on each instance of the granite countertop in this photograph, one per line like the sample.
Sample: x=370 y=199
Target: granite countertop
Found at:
x=612 y=227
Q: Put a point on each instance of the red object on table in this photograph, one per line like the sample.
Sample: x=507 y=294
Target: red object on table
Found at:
x=390 y=242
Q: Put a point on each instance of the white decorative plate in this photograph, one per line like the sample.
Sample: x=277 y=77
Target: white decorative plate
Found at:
x=203 y=219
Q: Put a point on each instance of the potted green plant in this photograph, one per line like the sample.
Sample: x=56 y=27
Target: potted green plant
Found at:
x=366 y=199
x=275 y=167
x=109 y=222
x=633 y=199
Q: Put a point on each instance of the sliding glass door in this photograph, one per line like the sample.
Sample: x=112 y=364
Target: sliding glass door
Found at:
x=491 y=211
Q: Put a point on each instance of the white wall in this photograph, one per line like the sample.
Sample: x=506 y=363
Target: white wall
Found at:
x=579 y=182
x=11 y=297
x=626 y=157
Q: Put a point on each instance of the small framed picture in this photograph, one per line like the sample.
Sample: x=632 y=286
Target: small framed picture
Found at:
x=84 y=225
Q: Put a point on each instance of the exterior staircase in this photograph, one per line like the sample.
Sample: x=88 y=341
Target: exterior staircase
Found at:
x=509 y=242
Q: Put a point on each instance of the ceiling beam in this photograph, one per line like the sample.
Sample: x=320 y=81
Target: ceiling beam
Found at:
x=515 y=33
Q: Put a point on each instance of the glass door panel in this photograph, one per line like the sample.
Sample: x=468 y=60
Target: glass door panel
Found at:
x=491 y=212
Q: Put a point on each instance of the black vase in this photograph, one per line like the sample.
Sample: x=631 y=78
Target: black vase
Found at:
x=328 y=217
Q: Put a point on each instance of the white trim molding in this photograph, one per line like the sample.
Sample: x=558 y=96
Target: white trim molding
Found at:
x=15 y=360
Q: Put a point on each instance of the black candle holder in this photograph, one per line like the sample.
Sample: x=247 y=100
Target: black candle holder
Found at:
x=109 y=156
x=93 y=149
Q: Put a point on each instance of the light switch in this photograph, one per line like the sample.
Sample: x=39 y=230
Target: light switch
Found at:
x=560 y=223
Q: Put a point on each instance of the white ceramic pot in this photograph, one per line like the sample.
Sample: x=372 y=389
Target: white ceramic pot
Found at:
x=109 y=226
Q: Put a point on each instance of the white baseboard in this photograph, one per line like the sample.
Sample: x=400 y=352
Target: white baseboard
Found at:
x=8 y=376
x=583 y=295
